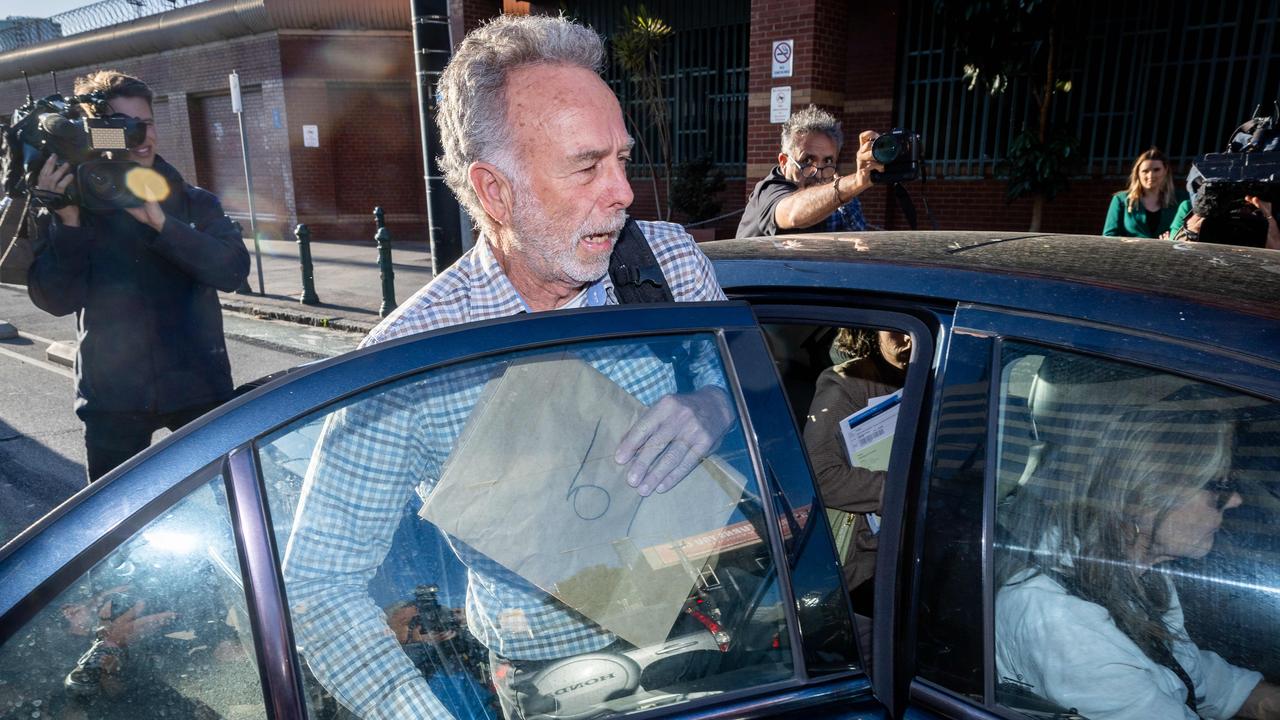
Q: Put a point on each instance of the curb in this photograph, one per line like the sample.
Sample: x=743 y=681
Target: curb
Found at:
x=298 y=316
x=62 y=353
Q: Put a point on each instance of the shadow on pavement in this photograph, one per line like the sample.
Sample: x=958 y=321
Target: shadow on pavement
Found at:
x=33 y=480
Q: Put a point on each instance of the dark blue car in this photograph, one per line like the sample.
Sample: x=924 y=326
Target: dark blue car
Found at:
x=1059 y=499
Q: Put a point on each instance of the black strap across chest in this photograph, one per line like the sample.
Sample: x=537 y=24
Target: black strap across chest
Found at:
x=636 y=275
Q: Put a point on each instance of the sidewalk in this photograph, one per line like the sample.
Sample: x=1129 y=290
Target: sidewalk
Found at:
x=346 y=281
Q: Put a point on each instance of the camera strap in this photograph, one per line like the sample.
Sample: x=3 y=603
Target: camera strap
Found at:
x=636 y=275
x=903 y=200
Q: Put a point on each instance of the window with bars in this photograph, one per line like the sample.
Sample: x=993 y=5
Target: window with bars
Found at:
x=703 y=67
x=1179 y=75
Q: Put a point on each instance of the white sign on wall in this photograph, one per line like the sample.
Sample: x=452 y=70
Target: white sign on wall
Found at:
x=783 y=53
x=310 y=136
x=780 y=104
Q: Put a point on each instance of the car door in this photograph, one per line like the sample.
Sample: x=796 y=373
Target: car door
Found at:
x=194 y=575
x=1043 y=419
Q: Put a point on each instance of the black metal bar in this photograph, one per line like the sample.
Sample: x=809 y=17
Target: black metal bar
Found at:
x=385 y=270
x=303 y=233
x=277 y=665
x=432 y=47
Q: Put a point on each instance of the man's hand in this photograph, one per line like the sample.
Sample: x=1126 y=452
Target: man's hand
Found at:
x=55 y=177
x=865 y=162
x=130 y=625
x=1273 y=225
x=1193 y=223
x=150 y=214
x=672 y=437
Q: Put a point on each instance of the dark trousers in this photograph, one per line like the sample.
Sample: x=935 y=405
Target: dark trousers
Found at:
x=110 y=438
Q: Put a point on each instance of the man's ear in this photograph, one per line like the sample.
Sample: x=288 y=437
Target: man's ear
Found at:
x=494 y=189
x=782 y=161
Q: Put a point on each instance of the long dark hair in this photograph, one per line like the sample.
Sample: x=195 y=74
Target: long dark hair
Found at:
x=1084 y=520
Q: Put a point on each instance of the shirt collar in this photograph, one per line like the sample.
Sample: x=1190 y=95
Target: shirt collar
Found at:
x=491 y=279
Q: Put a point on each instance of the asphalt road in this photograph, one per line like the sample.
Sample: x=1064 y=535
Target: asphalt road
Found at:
x=41 y=441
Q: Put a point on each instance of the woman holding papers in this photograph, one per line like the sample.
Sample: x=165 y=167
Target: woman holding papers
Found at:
x=850 y=466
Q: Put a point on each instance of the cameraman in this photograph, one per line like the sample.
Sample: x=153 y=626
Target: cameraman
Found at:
x=804 y=193
x=1256 y=226
x=143 y=283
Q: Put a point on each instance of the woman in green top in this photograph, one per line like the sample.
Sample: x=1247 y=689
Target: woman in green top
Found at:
x=1147 y=208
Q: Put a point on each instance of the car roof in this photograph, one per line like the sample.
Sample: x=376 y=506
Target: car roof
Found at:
x=1245 y=280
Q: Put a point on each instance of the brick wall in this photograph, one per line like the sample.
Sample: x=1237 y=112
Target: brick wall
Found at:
x=191 y=87
x=219 y=162
x=980 y=205
x=360 y=93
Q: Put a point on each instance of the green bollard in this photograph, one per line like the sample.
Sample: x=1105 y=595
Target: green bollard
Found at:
x=309 y=297
x=383 y=239
x=244 y=288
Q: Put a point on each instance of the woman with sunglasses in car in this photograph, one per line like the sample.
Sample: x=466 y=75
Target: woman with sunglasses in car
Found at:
x=1085 y=618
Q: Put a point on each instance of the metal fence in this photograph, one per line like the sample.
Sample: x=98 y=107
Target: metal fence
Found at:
x=19 y=32
x=1180 y=75
x=704 y=74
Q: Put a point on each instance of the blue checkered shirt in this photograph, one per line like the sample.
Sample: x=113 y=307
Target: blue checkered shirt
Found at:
x=847 y=217
x=375 y=453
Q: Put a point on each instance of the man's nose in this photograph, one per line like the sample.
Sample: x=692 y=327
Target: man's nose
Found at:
x=618 y=194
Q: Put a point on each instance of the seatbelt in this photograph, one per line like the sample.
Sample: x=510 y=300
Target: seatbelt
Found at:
x=636 y=275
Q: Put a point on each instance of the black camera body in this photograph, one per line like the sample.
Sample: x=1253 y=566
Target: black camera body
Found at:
x=899 y=151
x=1219 y=183
x=56 y=125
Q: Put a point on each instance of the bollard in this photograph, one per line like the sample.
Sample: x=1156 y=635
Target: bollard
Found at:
x=244 y=288
x=303 y=234
x=383 y=239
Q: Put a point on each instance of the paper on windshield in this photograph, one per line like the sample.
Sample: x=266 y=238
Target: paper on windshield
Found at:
x=532 y=484
x=868 y=433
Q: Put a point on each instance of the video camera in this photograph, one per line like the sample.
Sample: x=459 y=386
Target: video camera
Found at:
x=1219 y=182
x=57 y=125
x=899 y=151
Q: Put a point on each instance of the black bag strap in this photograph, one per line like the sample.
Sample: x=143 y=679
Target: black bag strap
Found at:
x=636 y=275
x=903 y=199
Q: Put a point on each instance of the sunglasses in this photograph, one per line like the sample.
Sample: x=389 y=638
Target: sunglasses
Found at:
x=1222 y=488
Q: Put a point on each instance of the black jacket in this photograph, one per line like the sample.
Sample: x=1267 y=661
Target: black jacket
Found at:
x=150 y=326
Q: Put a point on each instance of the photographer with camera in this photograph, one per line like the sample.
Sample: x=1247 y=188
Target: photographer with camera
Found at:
x=1233 y=193
x=140 y=270
x=804 y=193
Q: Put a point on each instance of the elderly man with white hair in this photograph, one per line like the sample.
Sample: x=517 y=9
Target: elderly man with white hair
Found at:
x=534 y=146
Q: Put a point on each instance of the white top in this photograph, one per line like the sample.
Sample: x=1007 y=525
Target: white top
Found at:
x=1068 y=650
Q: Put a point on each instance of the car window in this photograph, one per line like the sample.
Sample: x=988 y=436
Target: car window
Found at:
x=1135 y=550
x=156 y=629
x=469 y=528
x=844 y=383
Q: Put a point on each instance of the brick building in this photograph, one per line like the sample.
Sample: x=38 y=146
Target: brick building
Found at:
x=344 y=68
x=347 y=69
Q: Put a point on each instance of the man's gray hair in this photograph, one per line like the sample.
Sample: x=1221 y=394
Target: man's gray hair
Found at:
x=809 y=120
x=472 y=113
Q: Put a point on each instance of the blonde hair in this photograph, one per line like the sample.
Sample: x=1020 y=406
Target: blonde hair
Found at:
x=1165 y=192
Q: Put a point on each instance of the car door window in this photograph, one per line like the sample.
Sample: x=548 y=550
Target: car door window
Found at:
x=1133 y=567
x=156 y=629
x=470 y=527
x=845 y=383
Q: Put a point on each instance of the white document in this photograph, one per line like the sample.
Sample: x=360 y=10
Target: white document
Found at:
x=868 y=433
